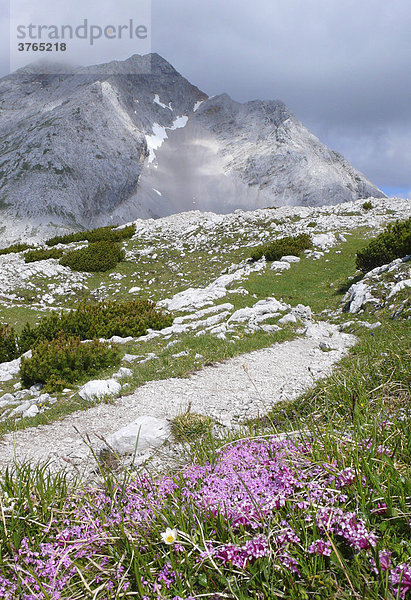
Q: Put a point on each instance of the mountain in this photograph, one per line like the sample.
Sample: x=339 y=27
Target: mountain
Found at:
x=88 y=148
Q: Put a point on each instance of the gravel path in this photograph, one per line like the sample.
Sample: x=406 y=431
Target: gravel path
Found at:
x=228 y=391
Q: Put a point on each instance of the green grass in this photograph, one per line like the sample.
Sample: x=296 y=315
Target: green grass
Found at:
x=372 y=381
x=364 y=402
x=189 y=426
x=316 y=283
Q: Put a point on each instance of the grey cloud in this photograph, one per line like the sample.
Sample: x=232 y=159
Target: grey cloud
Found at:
x=342 y=67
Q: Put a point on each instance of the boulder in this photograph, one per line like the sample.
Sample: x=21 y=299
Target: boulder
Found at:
x=123 y=372
x=131 y=357
x=9 y=369
x=278 y=265
x=286 y=319
x=358 y=295
x=99 y=388
x=32 y=411
x=324 y=241
x=302 y=312
x=144 y=433
x=290 y=259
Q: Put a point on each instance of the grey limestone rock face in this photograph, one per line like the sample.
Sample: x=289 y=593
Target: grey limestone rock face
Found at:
x=90 y=149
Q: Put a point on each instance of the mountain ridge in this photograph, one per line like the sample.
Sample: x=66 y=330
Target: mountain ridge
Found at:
x=92 y=148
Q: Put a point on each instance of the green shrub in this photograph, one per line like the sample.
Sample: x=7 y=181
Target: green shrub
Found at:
x=15 y=248
x=42 y=254
x=190 y=426
x=66 y=361
x=293 y=245
x=367 y=205
x=394 y=242
x=95 y=258
x=312 y=224
x=98 y=320
x=8 y=344
x=95 y=235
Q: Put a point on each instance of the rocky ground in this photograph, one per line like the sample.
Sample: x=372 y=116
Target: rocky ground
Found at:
x=242 y=387
x=196 y=265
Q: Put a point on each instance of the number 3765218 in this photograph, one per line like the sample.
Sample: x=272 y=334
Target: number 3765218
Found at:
x=42 y=47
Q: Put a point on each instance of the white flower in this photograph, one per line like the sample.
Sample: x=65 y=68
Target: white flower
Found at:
x=169 y=536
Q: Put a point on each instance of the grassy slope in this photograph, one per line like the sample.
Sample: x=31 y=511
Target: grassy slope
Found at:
x=348 y=417
x=307 y=282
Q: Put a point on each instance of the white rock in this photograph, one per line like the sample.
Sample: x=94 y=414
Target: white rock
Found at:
x=36 y=388
x=259 y=312
x=6 y=399
x=270 y=328
x=20 y=409
x=196 y=316
x=144 y=433
x=31 y=412
x=181 y=354
x=324 y=240
x=290 y=259
x=315 y=255
x=278 y=265
x=219 y=331
x=358 y=295
x=43 y=399
x=119 y=340
x=370 y=325
x=346 y=325
x=195 y=298
x=398 y=287
x=123 y=372
x=302 y=312
x=134 y=290
x=286 y=319
x=8 y=370
x=99 y=388
x=131 y=357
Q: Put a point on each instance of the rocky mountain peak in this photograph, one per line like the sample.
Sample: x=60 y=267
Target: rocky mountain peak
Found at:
x=139 y=140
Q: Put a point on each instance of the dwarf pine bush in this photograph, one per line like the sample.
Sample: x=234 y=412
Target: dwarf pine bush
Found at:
x=98 y=320
x=394 y=242
x=292 y=245
x=42 y=254
x=8 y=344
x=100 y=234
x=65 y=361
x=14 y=248
x=95 y=258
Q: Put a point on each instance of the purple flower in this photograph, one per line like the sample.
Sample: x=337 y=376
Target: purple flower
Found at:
x=385 y=561
x=381 y=509
x=401 y=580
x=320 y=547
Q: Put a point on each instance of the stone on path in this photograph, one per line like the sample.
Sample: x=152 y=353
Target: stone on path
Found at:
x=144 y=433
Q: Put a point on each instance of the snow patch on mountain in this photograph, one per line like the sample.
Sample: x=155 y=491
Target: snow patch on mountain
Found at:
x=157 y=101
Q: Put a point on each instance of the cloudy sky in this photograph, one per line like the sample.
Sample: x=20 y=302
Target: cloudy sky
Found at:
x=343 y=67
